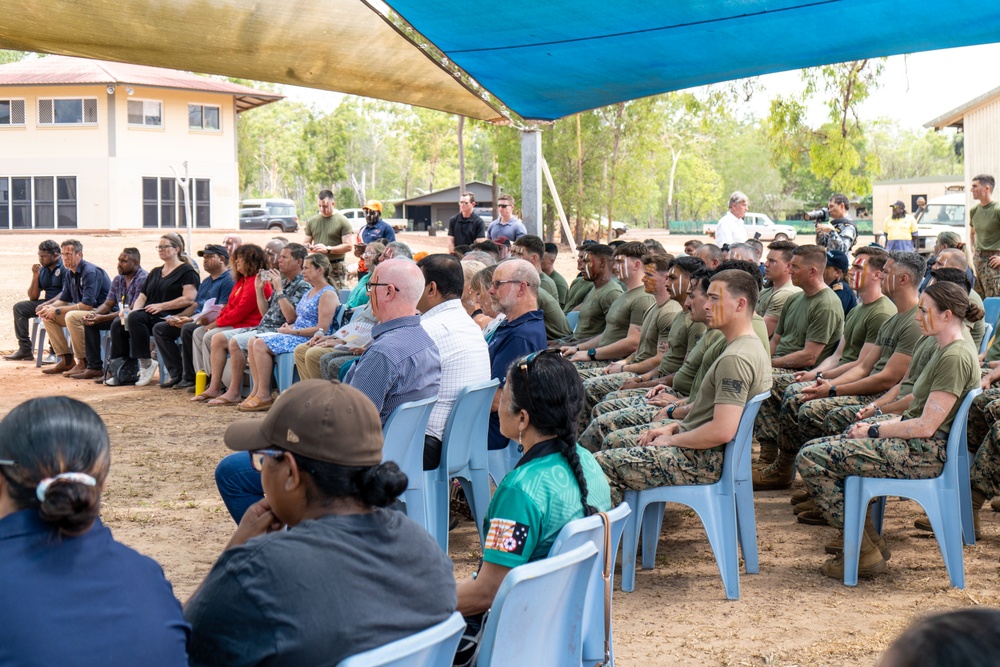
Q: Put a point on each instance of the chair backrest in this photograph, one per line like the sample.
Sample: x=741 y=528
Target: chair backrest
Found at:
x=987 y=335
x=573 y=318
x=344 y=295
x=432 y=647
x=467 y=429
x=736 y=463
x=991 y=306
x=537 y=614
x=957 y=452
x=403 y=433
x=590 y=530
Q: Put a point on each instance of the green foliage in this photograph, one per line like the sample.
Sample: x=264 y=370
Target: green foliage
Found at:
x=906 y=153
x=7 y=56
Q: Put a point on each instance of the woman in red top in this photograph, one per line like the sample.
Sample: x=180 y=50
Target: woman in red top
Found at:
x=241 y=311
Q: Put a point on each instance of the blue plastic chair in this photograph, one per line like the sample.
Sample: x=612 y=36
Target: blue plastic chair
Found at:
x=164 y=376
x=573 y=317
x=430 y=648
x=285 y=371
x=725 y=508
x=947 y=500
x=991 y=308
x=463 y=456
x=344 y=295
x=502 y=461
x=987 y=336
x=403 y=433
x=537 y=614
x=590 y=530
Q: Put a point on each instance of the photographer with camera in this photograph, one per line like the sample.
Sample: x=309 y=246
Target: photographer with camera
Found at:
x=834 y=229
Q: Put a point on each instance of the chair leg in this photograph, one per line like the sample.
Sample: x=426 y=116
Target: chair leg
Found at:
x=38 y=334
x=652 y=525
x=630 y=541
x=746 y=524
x=878 y=513
x=721 y=529
x=477 y=494
x=855 y=509
x=946 y=521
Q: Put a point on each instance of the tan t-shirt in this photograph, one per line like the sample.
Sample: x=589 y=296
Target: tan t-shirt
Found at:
x=694 y=364
x=954 y=368
x=655 y=329
x=772 y=301
x=900 y=333
x=742 y=371
x=556 y=325
x=627 y=310
x=862 y=325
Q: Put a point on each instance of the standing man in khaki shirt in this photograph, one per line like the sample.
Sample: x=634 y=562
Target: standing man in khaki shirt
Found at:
x=330 y=234
x=984 y=233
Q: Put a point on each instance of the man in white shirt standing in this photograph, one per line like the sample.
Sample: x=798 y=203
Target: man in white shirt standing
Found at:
x=465 y=357
x=730 y=228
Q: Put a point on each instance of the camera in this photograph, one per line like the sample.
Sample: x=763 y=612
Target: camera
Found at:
x=819 y=215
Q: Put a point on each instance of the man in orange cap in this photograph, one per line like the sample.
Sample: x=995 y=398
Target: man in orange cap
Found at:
x=376 y=230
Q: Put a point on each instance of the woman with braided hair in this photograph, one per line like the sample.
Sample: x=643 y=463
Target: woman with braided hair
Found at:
x=555 y=482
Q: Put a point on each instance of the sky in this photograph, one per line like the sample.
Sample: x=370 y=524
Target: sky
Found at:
x=914 y=88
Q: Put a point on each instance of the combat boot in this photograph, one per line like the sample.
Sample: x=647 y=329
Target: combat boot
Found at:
x=778 y=475
x=768 y=453
x=978 y=498
x=805 y=506
x=835 y=547
x=800 y=497
x=870 y=562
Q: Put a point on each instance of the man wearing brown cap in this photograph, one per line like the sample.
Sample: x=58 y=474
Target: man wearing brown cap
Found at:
x=900 y=229
x=348 y=574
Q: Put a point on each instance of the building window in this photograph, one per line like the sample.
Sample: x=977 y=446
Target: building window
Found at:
x=145 y=113
x=163 y=203
x=203 y=117
x=12 y=113
x=67 y=111
x=39 y=202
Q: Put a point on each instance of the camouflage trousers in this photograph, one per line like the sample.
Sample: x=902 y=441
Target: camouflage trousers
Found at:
x=590 y=367
x=765 y=427
x=802 y=421
x=629 y=436
x=338 y=273
x=840 y=419
x=597 y=387
x=980 y=418
x=825 y=463
x=592 y=438
x=987 y=278
x=331 y=363
x=638 y=468
x=985 y=472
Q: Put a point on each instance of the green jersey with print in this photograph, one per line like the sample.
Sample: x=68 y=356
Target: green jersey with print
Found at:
x=577 y=292
x=684 y=335
x=655 y=329
x=986 y=222
x=900 y=333
x=954 y=369
x=556 y=325
x=862 y=326
x=742 y=371
x=594 y=310
x=533 y=503
x=772 y=300
x=811 y=319
x=562 y=288
x=628 y=310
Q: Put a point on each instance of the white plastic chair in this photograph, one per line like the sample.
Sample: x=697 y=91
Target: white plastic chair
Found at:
x=537 y=614
x=725 y=508
x=432 y=647
x=947 y=500
x=463 y=456
x=590 y=530
x=403 y=433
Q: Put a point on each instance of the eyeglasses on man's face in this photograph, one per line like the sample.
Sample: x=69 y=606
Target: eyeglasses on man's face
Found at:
x=370 y=285
x=496 y=284
x=504 y=205
x=257 y=457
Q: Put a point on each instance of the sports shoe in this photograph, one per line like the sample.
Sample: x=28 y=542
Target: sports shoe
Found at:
x=111 y=381
x=146 y=373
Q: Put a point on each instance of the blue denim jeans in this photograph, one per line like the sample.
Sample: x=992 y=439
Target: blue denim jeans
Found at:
x=239 y=484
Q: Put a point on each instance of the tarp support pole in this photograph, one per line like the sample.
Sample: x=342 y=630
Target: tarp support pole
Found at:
x=558 y=203
x=531 y=181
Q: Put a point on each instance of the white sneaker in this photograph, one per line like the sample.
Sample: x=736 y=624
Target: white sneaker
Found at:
x=145 y=373
x=111 y=381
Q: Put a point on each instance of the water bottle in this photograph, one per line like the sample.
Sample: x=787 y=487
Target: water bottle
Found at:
x=200 y=382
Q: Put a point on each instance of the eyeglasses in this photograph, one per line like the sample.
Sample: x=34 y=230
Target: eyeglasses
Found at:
x=257 y=457
x=465 y=203
x=369 y=286
x=164 y=247
x=497 y=283
x=525 y=365
x=504 y=205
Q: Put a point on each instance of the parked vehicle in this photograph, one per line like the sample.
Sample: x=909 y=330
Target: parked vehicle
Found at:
x=281 y=214
x=259 y=218
x=944 y=214
x=356 y=217
x=759 y=223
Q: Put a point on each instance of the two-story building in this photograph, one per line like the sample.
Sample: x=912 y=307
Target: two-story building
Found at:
x=90 y=144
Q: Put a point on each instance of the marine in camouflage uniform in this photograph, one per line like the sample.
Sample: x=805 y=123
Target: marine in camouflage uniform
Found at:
x=603 y=426
x=980 y=419
x=649 y=467
x=765 y=427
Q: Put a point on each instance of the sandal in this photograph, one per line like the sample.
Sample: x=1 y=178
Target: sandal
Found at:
x=203 y=396
x=254 y=404
x=221 y=400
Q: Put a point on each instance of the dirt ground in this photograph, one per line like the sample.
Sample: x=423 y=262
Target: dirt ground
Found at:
x=161 y=500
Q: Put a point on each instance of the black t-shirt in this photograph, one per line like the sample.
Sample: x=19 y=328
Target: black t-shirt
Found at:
x=160 y=288
x=465 y=231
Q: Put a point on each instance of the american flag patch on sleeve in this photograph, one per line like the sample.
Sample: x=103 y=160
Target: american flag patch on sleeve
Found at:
x=731 y=385
x=507 y=536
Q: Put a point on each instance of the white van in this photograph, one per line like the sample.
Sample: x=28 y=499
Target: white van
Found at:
x=944 y=214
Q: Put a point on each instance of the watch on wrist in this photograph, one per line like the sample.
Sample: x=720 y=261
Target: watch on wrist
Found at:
x=873 y=431
x=592 y=353
x=58 y=311
x=670 y=410
x=819 y=376
x=833 y=391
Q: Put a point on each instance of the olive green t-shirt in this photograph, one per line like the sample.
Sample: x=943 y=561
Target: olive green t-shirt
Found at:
x=684 y=334
x=742 y=371
x=900 y=333
x=760 y=328
x=548 y=285
x=925 y=349
x=986 y=221
x=594 y=310
x=977 y=328
x=329 y=231
x=772 y=302
x=576 y=293
x=862 y=326
x=695 y=365
x=627 y=310
x=716 y=348
x=816 y=319
x=953 y=369
x=655 y=329
x=562 y=289
x=556 y=325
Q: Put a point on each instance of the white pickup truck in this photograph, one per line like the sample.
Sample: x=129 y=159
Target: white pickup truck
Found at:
x=759 y=222
x=356 y=217
x=944 y=214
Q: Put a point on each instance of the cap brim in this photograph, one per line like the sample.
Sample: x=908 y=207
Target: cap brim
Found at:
x=245 y=435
